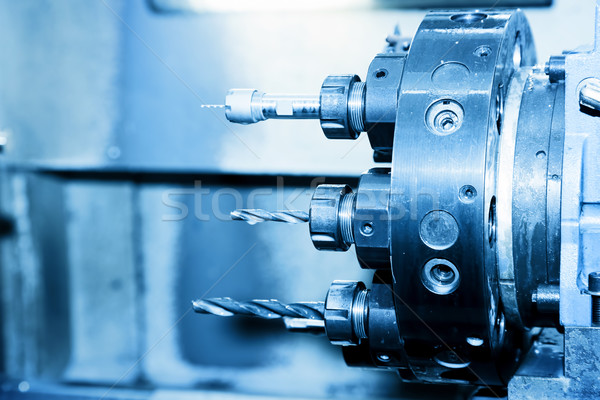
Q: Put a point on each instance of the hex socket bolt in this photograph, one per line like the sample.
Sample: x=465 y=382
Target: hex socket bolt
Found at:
x=594 y=291
x=589 y=94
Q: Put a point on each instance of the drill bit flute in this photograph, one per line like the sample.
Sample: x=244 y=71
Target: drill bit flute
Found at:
x=305 y=316
x=255 y=216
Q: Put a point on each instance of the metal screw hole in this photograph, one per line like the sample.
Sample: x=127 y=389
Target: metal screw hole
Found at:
x=483 y=51
x=467 y=194
x=367 y=229
x=469 y=18
x=381 y=73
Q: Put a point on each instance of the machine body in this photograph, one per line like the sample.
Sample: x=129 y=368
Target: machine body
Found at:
x=481 y=224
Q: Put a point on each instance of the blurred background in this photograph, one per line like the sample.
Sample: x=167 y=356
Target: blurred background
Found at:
x=116 y=187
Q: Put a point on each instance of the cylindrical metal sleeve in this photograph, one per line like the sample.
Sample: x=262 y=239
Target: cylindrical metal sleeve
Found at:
x=292 y=106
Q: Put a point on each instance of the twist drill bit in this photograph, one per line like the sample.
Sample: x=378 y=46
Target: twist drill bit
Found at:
x=266 y=309
x=255 y=216
x=216 y=106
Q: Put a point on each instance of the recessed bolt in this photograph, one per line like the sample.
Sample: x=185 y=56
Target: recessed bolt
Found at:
x=594 y=291
x=589 y=94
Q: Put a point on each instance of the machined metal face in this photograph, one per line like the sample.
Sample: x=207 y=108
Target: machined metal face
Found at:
x=536 y=189
x=443 y=191
x=504 y=231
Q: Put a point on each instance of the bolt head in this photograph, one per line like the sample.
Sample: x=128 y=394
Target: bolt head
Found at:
x=594 y=283
x=589 y=94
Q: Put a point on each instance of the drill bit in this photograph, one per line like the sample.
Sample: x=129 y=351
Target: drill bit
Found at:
x=255 y=216
x=266 y=309
x=212 y=106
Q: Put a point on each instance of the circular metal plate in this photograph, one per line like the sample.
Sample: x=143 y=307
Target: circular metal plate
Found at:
x=429 y=173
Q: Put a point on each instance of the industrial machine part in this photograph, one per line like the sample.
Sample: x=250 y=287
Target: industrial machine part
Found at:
x=483 y=227
x=255 y=216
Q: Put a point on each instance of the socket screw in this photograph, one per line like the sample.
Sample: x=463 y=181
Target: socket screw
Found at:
x=594 y=291
x=589 y=94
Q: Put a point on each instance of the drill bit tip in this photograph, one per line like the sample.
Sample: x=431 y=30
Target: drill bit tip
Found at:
x=255 y=216
x=207 y=307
